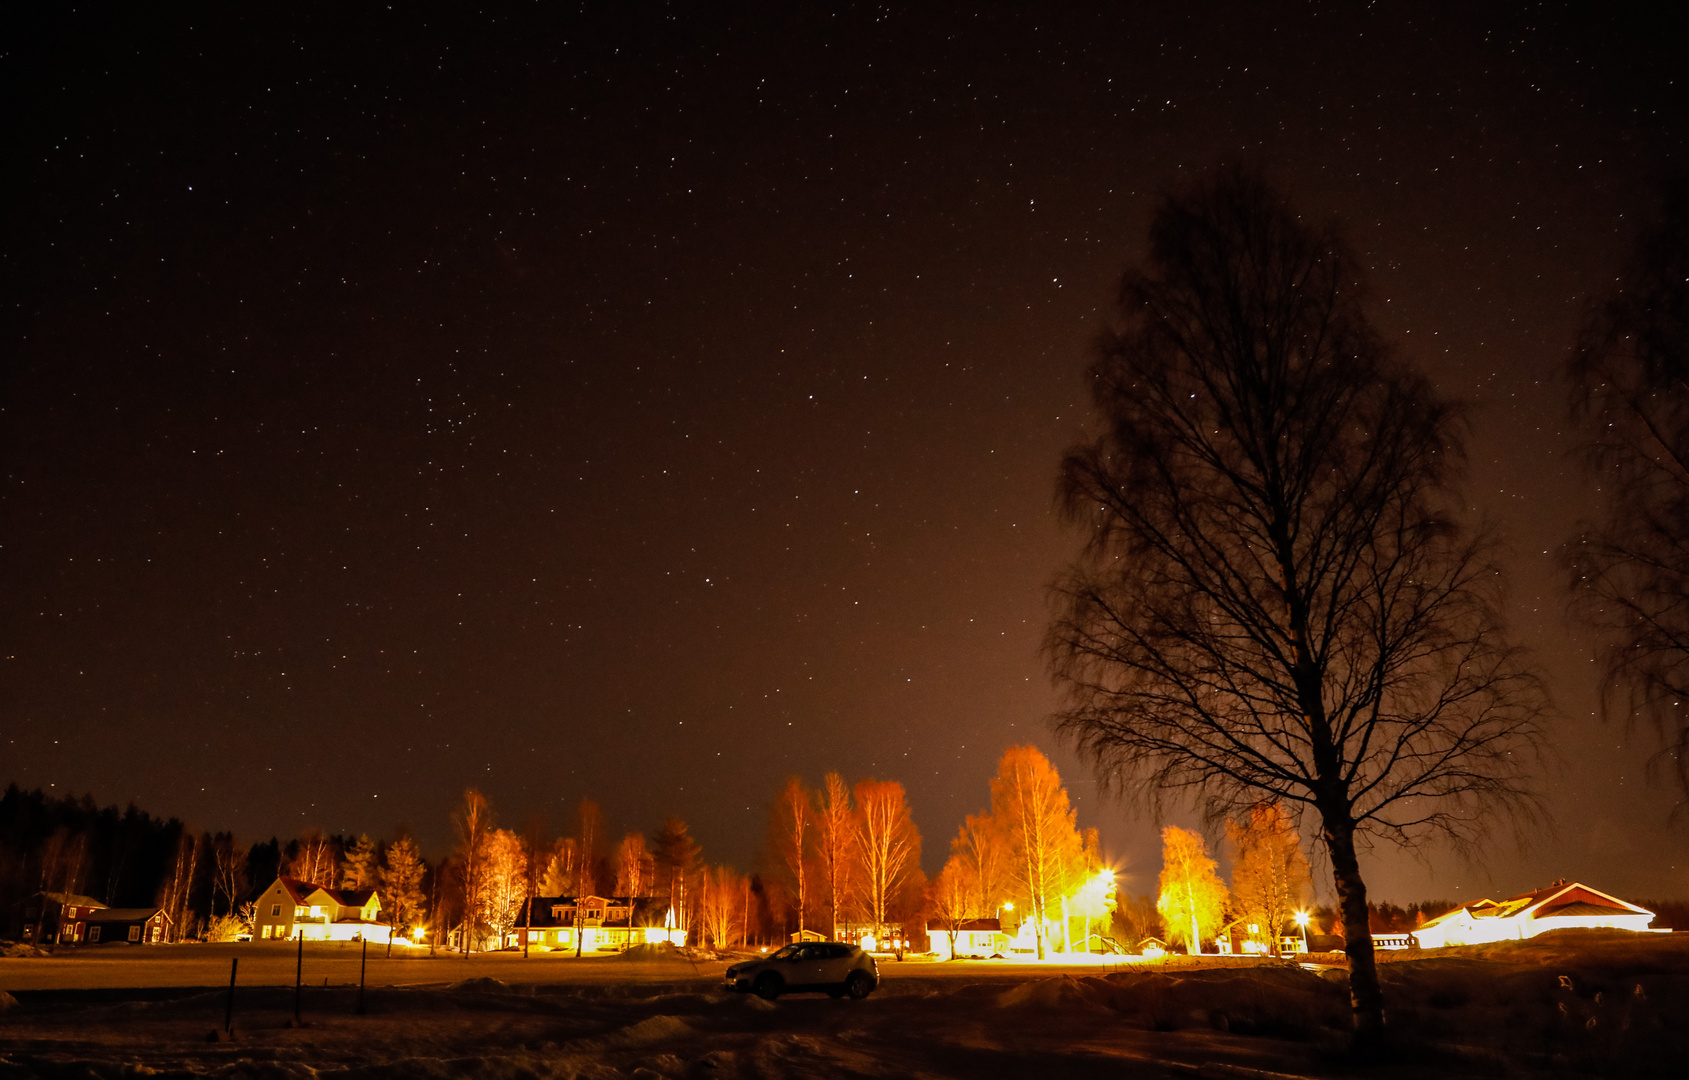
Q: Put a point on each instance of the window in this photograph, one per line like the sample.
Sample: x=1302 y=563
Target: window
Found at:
x=134 y=933
x=275 y=910
x=93 y=934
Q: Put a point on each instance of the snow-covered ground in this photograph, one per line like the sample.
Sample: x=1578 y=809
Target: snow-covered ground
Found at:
x=1595 y=1005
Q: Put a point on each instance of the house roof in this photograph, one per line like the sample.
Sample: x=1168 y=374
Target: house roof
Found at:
x=1561 y=898
x=349 y=897
x=70 y=899
x=126 y=914
x=297 y=888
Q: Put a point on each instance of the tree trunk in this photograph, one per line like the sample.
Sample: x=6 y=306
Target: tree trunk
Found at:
x=1365 y=996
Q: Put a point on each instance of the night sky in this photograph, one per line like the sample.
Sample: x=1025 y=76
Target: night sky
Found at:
x=650 y=402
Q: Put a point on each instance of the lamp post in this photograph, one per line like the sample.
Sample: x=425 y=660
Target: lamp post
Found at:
x=1302 y=921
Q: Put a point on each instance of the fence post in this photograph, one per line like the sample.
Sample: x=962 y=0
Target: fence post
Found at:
x=363 y=963
x=298 y=976
x=229 y=1010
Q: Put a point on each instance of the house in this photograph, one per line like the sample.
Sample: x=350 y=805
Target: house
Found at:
x=135 y=926
x=606 y=923
x=1561 y=905
x=973 y=937
x=56 y=918
x=291 y=908
x=807 y=934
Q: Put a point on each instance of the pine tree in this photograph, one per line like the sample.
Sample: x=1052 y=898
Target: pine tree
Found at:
x=401 y=884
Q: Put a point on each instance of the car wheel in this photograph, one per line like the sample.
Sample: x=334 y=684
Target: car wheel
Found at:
x=768 y=986
x=859 y=985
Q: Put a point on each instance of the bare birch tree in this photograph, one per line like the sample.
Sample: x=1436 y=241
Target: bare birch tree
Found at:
x=1630 y=571
x=589 y=838
x=984 y=851
x=1276 y=599
x=887 y=847
x=1269 y=871
x=1032 y=810
x=791 y=828
x=472 y=821
x=834 y=838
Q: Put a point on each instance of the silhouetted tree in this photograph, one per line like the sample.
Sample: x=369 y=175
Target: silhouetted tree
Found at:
x=1275 y=599
x=1630 y=397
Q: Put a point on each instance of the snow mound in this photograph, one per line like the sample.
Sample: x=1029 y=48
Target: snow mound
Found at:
x=756 y=1004
x=1064 y=993
x=653 y=1029
x=19 y=950
x=482 y=985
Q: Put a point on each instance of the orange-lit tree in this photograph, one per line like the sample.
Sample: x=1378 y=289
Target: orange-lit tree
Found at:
x=359 y=869
x=1277 y=597
x=1193 y=897
x=887 y=847
x=313 y=859
x=589 y=846
x=507 y=881
x=721 y=898
x=984 y=853
x=1031 y=808
x=834 y=840
x=401 y=883
x=952 y=896
x=472 y=822
x=1269 y=872
x=562 y=868
x=791 y=830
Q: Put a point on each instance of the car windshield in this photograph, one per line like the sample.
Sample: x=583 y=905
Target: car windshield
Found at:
x=790 y=952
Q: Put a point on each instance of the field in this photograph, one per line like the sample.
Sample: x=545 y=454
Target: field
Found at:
x=1576 y=1003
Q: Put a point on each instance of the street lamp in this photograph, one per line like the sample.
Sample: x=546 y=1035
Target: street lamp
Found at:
x=1302 y=921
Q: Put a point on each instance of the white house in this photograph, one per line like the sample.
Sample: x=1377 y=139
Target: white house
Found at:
x=974 y=937
x=291 y=908
x=1561 y=905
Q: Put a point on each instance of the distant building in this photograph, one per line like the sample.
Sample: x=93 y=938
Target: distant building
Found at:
x=1562 y=905
x=53 y=918
x=135 y=926
x=605 y=923
x=291 y=908
x=973 y=937
x=806 y=935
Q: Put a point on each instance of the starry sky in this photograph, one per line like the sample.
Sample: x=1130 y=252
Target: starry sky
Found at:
x=653 y=401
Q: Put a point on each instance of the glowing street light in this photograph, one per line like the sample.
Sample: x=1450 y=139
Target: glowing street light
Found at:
x=1302 y=921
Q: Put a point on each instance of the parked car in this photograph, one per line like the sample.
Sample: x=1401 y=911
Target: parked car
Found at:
x=830 y=967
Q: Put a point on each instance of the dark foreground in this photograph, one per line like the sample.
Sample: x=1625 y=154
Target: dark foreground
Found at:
x=1593 y=1005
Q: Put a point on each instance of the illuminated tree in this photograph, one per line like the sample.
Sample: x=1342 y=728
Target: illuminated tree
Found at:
x=633 y=866
x=886 y=845
x=721 y=897
x=834 y=844
x=401 y=883
x=675 y=856
x=790 y=828
x=589 y=840
x=507 y=881
x=562 y=868
x=473 y=822
x=1192 y=895
x=1031 y=809
x=1269 y=873
x=228 y=871
x=984 y=852
x=358 y=869
x=1630 y=398
x=313 y=859
x=1276 y=599
x=952 y=895
x=1092 y=898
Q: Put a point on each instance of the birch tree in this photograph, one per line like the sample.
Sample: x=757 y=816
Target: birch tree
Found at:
x=984 y=851
x=1031 y=808
x=472 y=822
x=886 y=845
x=1193 y=898
x=834 y=844
x=1269 y=872
x=1277 y=597
x=791 y=828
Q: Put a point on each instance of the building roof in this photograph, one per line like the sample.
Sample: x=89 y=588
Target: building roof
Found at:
x=1561 y=898
x=126 y=914
x=349 y=897
x=298 y=888
x=979 y=925
x=70 y=899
